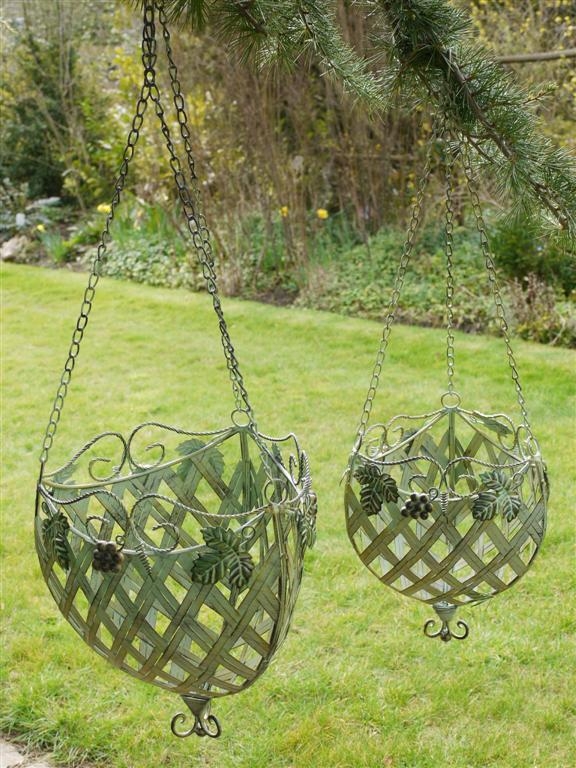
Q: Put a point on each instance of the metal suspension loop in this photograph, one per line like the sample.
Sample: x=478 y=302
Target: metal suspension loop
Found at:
x=195 y=219
x=449 y=247
x=413 y=226
x=492 y=278
x=148 y=58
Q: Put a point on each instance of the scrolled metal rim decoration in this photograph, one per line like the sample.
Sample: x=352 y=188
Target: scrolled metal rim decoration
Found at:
x=444 y=488
x=86 y=535
x=294 y=472
x=283 y=493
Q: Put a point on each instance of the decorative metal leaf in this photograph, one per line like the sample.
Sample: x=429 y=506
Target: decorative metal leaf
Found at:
x=485 y=506
x=367 y=473
x=304 y=469
x=213 y=457
x=275 y=451
x=306 y=521
x=65 y=473
x=209 y=567
x=495 y=497
x=510 y=505
x=54 y=535
x=495 y=480
x=223 y=555
x=409 y=434
x=221 y=539
x=493 y=424
x=377 y=487
x=240 y=569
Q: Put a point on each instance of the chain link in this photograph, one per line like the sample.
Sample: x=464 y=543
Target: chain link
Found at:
x=148 y=58
x=493 y=280
x=195 y=220
x=449 y=248
x=413 y=226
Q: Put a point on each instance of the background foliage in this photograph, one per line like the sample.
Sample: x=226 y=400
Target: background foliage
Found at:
x=298 y=182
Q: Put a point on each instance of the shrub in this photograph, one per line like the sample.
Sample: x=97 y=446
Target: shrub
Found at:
x=521 y=252
x=536 y=315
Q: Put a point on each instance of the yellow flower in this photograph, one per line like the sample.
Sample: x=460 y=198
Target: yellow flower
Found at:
x=104 y=208
x=322 y=213
x=284 y=211
x=41 y=228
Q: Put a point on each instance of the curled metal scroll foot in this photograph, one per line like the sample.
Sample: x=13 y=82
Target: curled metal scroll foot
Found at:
x=446 y=613
x=205 y=724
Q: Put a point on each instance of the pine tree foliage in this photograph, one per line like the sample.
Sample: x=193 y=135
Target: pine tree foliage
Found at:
x=424 y=55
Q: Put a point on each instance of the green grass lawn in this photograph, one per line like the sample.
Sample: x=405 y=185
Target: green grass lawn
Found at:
x=356 y=684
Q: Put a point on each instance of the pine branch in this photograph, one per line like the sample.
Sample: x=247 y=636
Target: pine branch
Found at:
x=431 y=60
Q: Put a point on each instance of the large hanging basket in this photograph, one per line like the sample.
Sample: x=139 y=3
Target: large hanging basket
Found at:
x=183 y=572
x=177 y=555
x=447 y=507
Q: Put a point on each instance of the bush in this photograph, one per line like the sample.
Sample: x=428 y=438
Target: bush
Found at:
x=360 y=282
x=147 y=246
x=519 y=251
x=54 y=132
x=536 y=315
x=150 y=261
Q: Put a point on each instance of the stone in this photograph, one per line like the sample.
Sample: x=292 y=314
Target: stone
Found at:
x=9 y=756
x=13 y=248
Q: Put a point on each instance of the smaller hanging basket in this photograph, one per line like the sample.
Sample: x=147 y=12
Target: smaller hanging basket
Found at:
x=182 y=572
x=449 y=507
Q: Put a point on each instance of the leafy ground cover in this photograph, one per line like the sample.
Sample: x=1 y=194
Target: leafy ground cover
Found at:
x=356 y=685
x=358 y=281
x=340 y=274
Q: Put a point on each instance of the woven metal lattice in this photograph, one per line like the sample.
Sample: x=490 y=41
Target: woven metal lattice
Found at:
x=176 y=555
x=446 y=507
x=182 y=572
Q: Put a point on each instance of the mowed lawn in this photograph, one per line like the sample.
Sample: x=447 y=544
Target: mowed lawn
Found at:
x=356 y=684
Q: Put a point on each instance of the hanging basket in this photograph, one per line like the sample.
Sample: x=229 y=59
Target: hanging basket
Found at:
x=182 y=572
x=176 y=555
x=447 y=507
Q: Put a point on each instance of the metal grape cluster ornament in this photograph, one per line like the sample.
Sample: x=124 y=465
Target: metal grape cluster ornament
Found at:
x=176 y=555
x=447 y=507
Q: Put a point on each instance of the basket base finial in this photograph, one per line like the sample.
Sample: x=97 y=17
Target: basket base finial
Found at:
x=446 y=612
x=205 y=724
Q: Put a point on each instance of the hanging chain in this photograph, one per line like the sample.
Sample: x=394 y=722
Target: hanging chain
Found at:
x=195 y=219
x=415 y=217
x=90 y=291
x=493 y=280
x=449 y=247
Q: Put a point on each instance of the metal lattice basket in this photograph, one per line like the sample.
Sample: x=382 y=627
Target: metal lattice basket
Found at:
x=448 y=507
x=177 y=555
x=183 y=572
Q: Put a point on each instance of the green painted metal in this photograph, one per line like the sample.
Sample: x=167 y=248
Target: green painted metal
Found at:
x=176 y=555
x=447 y=507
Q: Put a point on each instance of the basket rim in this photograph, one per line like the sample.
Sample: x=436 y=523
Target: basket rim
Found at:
x=273 y=509
x=523 y=451
x=218 y=436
